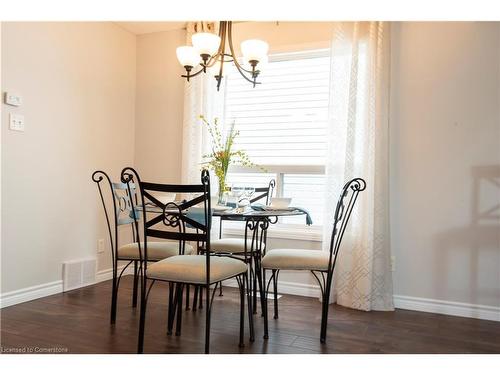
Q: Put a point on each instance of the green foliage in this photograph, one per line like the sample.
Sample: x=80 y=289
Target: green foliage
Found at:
x=222 y=155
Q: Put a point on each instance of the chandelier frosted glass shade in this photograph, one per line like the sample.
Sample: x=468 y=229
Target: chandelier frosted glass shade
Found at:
x=206 y=43
x=209 y=54
x=254 y=50
x=188 y=56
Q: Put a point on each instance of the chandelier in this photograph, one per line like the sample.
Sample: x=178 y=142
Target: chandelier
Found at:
x=209 y=51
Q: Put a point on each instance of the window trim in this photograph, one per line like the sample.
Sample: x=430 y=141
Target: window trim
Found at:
x=298 y=55
x=276 y=168
x=313 y=233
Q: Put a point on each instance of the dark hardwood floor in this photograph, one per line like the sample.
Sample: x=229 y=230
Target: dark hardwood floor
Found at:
x=78 y=321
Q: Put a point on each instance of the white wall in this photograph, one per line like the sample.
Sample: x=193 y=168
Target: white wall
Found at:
x=445 y=155
x=77 y=81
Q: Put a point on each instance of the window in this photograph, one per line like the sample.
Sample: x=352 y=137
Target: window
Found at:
x=282 y=125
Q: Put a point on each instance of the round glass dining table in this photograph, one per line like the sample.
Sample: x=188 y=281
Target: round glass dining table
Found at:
x=257 y=222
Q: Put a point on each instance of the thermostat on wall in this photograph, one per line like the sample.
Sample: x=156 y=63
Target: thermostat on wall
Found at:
x=13 y=99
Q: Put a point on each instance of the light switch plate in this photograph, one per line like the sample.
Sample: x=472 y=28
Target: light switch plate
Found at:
x=13 y=99
x=100 y=245
x=16 y=122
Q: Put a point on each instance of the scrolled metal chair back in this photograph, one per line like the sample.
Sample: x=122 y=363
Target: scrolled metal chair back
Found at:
x=171 y=219
x=343 y=211
x=124 y=199
x=264 y=192
x=121 y=214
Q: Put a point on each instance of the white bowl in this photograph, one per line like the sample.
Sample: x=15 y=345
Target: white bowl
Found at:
x=280 y=202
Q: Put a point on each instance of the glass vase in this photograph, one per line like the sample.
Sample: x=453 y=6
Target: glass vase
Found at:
x=222 y=190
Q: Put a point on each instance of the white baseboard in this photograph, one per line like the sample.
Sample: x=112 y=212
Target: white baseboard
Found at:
x=44 y=290
x=466 y=310
x=30 y=293
x=107 y=274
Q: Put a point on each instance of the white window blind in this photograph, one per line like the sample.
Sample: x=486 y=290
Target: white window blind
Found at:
x=282 y=125
x=283 y=120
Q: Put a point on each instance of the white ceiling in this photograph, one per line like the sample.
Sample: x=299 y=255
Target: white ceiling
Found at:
x=151 y=27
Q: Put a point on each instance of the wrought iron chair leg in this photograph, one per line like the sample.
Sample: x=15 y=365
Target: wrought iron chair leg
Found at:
x=142 y=321
x=258 y=272
x=275 y=287
x=207 y=320
x=171 y=308
x=241 y=283
x=324 y=316
x=114 y=295
x=264 y=310
x=220 y=289
x=250 y=313
x=136 y=279
x=263 y=276
x=187 y=297
x=254 y=289
x=180 y=289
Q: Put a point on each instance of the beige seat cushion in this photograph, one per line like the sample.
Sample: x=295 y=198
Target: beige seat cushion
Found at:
x=156 y=250
x=295 y=259
x=191 y=269
x=231 y=245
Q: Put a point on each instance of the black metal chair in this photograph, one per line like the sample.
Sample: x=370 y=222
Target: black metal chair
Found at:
x=260 y=194
x=122 y=199
x=237 y=246
x=320 y=263
x=182 y=221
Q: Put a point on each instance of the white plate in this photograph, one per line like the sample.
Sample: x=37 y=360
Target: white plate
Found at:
x=274 y=208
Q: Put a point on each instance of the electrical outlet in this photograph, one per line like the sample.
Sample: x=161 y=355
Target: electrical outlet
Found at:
x=100 y=246
x=393 y=263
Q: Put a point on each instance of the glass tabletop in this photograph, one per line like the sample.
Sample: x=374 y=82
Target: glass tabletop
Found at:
x=249 y=212
x=242 y=212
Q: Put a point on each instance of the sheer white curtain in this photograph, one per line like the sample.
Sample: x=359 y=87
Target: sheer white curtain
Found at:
x=200 y=98
x=358 y=147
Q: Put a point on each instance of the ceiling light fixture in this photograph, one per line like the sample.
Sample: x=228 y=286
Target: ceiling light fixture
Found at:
x=209 y=51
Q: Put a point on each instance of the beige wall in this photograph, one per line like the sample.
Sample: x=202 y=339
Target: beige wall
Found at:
x=77 y=81
x=159 y=106
x=445 y=139
x=285 y=36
